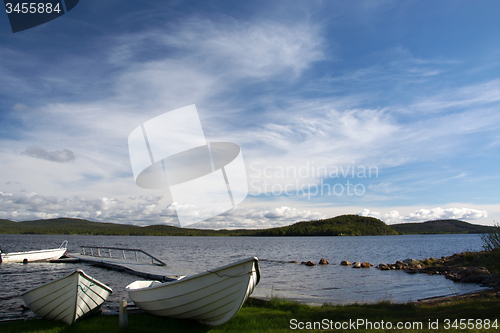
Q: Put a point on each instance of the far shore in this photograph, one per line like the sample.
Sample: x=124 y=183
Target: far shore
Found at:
x=344 y=225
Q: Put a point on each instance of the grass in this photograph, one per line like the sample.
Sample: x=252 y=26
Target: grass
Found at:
x=277 y=316
x=491 y=241
x=488 y=259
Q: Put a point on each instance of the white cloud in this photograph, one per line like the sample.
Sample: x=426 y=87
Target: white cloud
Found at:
x=212 y=64
x=210 y=56
x=422 y=215
x=142 y=210
x=248 y=49
x=330 y=137
x=324 y=140
x=259 y=217
x=26 y=206
x=228 y=49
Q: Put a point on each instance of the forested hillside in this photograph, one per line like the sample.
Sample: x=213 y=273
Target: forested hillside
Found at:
x=344 y=225
x=441 y=227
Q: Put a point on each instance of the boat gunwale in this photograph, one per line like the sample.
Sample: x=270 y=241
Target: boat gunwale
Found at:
x=202 y=274
x=72 y=284
x=78 y=271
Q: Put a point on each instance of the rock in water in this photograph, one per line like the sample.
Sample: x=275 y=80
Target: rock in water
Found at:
x=383 y=267
x=411 y=262
x=323 y=261
x=401 y=265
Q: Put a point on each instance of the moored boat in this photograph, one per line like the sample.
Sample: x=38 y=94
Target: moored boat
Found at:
x=212 y=297
x=68 y=298
x=39 y=255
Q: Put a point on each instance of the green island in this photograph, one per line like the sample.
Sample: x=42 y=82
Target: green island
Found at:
x=344 y=225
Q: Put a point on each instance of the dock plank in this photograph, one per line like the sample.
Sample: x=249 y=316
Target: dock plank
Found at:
x=139 y=268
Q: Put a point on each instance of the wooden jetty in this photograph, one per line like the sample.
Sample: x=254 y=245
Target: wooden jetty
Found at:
x=125 y=260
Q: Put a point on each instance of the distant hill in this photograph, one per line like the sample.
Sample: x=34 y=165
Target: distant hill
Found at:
x=347 y=225
x=441 y=227
x=60 y=226
x=344 y=225
x=71 y=226
x=4 y=222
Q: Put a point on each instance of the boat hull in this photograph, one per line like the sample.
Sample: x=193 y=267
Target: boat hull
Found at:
x=212 y=297
x=68 y=298
x=30 y=256
x=38 y=255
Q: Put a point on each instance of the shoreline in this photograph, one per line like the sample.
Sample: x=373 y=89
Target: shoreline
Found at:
x=485 y=299
x=480 y=267
x=278 y=315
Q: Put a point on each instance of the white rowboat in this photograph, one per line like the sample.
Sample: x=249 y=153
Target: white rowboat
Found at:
x=212 y=297
x=68 y=298
x=39 y=255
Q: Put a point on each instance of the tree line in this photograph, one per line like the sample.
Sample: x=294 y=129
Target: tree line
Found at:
x=344 y=225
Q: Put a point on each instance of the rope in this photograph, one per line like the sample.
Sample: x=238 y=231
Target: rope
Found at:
x=88 y=287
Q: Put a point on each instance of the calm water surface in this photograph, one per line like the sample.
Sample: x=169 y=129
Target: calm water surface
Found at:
x=318 y=284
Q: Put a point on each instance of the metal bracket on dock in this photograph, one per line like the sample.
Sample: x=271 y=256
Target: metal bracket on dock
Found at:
x=98 y=249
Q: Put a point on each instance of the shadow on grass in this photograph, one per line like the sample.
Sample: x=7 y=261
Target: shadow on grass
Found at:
x=136 y=323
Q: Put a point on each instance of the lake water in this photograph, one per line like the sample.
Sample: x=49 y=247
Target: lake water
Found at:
x=331 y=283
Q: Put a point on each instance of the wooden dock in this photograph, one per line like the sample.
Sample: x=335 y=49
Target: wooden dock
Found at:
x=114 y=258
x=142 y=269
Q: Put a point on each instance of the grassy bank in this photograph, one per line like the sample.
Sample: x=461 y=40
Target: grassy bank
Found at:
x=278 y=316
x=488 y=259
x=481 y=267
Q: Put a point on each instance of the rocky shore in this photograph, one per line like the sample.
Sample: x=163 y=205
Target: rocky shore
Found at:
x=466 y=267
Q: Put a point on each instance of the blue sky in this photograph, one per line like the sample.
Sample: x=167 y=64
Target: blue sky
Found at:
x=310 y=90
